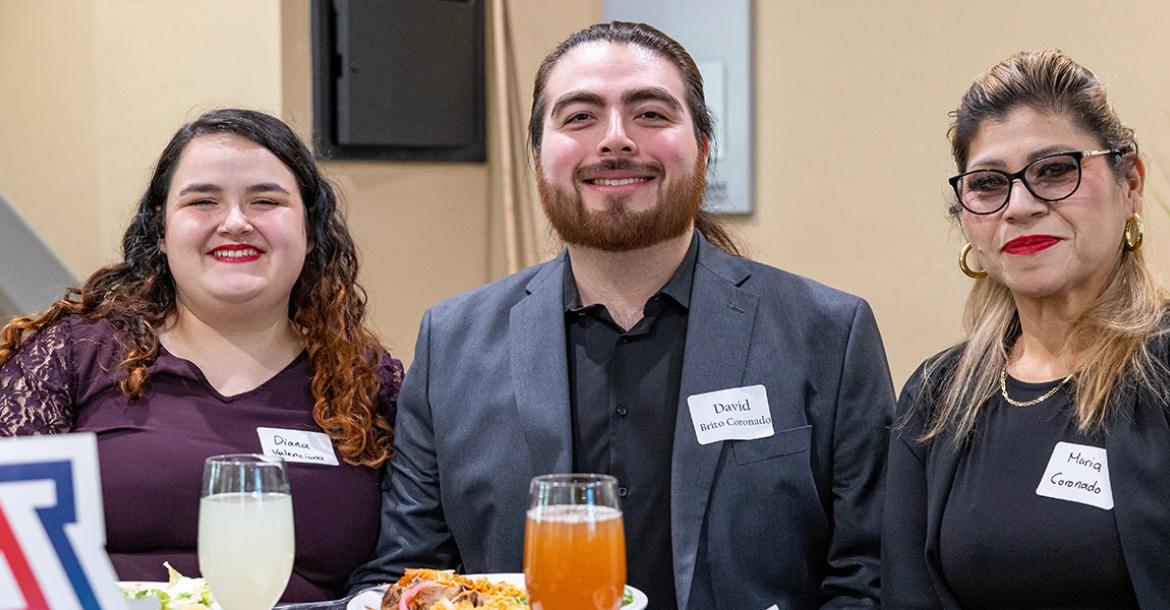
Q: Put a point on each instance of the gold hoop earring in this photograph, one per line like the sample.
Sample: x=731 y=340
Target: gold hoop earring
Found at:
x=1133 y=233
x=967 y=270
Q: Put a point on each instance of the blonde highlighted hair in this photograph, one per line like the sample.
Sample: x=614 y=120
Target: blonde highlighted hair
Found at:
x=1114 y=333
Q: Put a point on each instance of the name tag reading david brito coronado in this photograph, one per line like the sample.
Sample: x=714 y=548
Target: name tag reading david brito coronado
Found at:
x=731 y=414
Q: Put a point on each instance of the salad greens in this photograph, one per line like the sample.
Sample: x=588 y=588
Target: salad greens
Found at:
x=180 y=592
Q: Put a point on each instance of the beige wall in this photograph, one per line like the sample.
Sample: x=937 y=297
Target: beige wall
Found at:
x=851 y=103
x=852 y=159
x=48 y=136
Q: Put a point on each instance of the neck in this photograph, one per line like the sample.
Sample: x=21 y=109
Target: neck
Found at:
x=624 y=281
x=206 y=336
x=1043 y=352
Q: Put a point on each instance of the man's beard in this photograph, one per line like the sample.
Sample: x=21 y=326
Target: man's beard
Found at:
x=617 y=229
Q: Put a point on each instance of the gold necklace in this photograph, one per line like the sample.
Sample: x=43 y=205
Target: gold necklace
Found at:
x=1026 y=403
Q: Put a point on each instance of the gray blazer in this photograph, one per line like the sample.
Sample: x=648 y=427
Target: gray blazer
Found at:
x=792 y=519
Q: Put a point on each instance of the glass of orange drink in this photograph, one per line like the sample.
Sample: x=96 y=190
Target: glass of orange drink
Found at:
x=574 y=544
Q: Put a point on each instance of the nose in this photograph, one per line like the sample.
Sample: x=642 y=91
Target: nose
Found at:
x=1022 y=203
x=616 y=140
x=235 y=221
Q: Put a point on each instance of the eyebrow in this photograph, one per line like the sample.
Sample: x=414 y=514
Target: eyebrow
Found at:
x=1034 y=155
x=651 y=94
x=655 y=94
x=576 y=97
x=204 y=187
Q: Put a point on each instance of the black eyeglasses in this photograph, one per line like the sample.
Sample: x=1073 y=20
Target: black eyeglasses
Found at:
x=1051 y=178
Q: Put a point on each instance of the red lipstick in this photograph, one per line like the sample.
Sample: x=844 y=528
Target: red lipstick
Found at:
x=1030 y=244
x=236 y=253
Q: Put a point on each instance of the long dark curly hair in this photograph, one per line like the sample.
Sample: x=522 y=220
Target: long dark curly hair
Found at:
x=327 y=305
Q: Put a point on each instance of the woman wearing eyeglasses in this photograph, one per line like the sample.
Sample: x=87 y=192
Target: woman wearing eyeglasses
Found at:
x=1031 y=463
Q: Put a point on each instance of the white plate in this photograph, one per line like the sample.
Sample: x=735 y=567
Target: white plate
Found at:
x=371 y=599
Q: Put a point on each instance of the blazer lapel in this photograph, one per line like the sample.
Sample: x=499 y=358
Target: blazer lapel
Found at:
x=1136 y=449
x=940 y=475
x=540 y=370
x=719 y=331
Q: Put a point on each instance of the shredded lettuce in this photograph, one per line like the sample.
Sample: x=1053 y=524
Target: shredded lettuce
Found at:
x=180 y=592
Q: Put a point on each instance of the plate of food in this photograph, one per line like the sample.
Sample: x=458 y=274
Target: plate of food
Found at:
x=422 y=589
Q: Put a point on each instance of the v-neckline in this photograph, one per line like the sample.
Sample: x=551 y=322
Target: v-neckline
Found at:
x=202 y=378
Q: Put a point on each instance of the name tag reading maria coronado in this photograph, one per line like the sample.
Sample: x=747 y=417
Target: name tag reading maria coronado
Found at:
x=731 y=414
x=1078 y=473
x=297 y=445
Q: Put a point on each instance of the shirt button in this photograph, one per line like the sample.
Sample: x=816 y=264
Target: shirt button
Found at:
x=621 y=410
x=623 y=492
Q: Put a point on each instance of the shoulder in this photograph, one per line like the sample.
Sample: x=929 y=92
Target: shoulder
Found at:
x=1159 y=342
x=777 y=287
x=793 y=302
x=924 y=385
x=90 y=349
x=920 y=396
x=37 y=383
x=69 y=335
x=47 y=346
x=390 y=372
x=94 y=343
x=500 y=295
x=87 y=330
x=801 y=291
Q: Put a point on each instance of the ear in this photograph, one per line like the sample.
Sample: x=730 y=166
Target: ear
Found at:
x=706 y=151
x=1135 y=180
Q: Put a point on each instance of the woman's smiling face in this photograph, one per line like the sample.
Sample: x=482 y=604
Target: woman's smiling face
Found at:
x=235 y=225
x=1041 y=249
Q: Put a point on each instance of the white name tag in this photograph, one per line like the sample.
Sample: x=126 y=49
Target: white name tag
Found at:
x=731 y=414
x=297 y=445
x=1078 y=473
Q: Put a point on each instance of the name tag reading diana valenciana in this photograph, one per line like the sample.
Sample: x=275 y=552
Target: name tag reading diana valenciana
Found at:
x=731 y=414
x=297 y=445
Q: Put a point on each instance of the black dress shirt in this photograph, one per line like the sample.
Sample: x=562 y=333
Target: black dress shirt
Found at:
x=623 y=391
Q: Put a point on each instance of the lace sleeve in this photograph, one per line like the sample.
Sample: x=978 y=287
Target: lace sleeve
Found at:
x=35 y=385
x=390 y=375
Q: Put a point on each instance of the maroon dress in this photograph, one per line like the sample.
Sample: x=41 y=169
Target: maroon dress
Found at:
x=151 y=451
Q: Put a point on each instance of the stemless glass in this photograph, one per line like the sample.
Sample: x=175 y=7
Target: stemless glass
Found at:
x=245 y=530
x=574 y=544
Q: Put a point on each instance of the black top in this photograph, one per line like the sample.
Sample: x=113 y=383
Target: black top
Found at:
x=623 y=392
x=1002 y=545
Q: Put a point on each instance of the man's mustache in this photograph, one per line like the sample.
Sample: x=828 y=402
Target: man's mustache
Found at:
x=587 y=172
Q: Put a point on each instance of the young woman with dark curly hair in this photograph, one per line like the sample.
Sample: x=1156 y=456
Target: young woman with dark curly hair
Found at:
x=234 y=314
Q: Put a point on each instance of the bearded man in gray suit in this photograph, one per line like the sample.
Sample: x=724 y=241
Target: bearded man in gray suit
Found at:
x=742 y=409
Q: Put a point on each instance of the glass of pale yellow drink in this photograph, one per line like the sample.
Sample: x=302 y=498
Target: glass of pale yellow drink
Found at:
x=245 y=530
